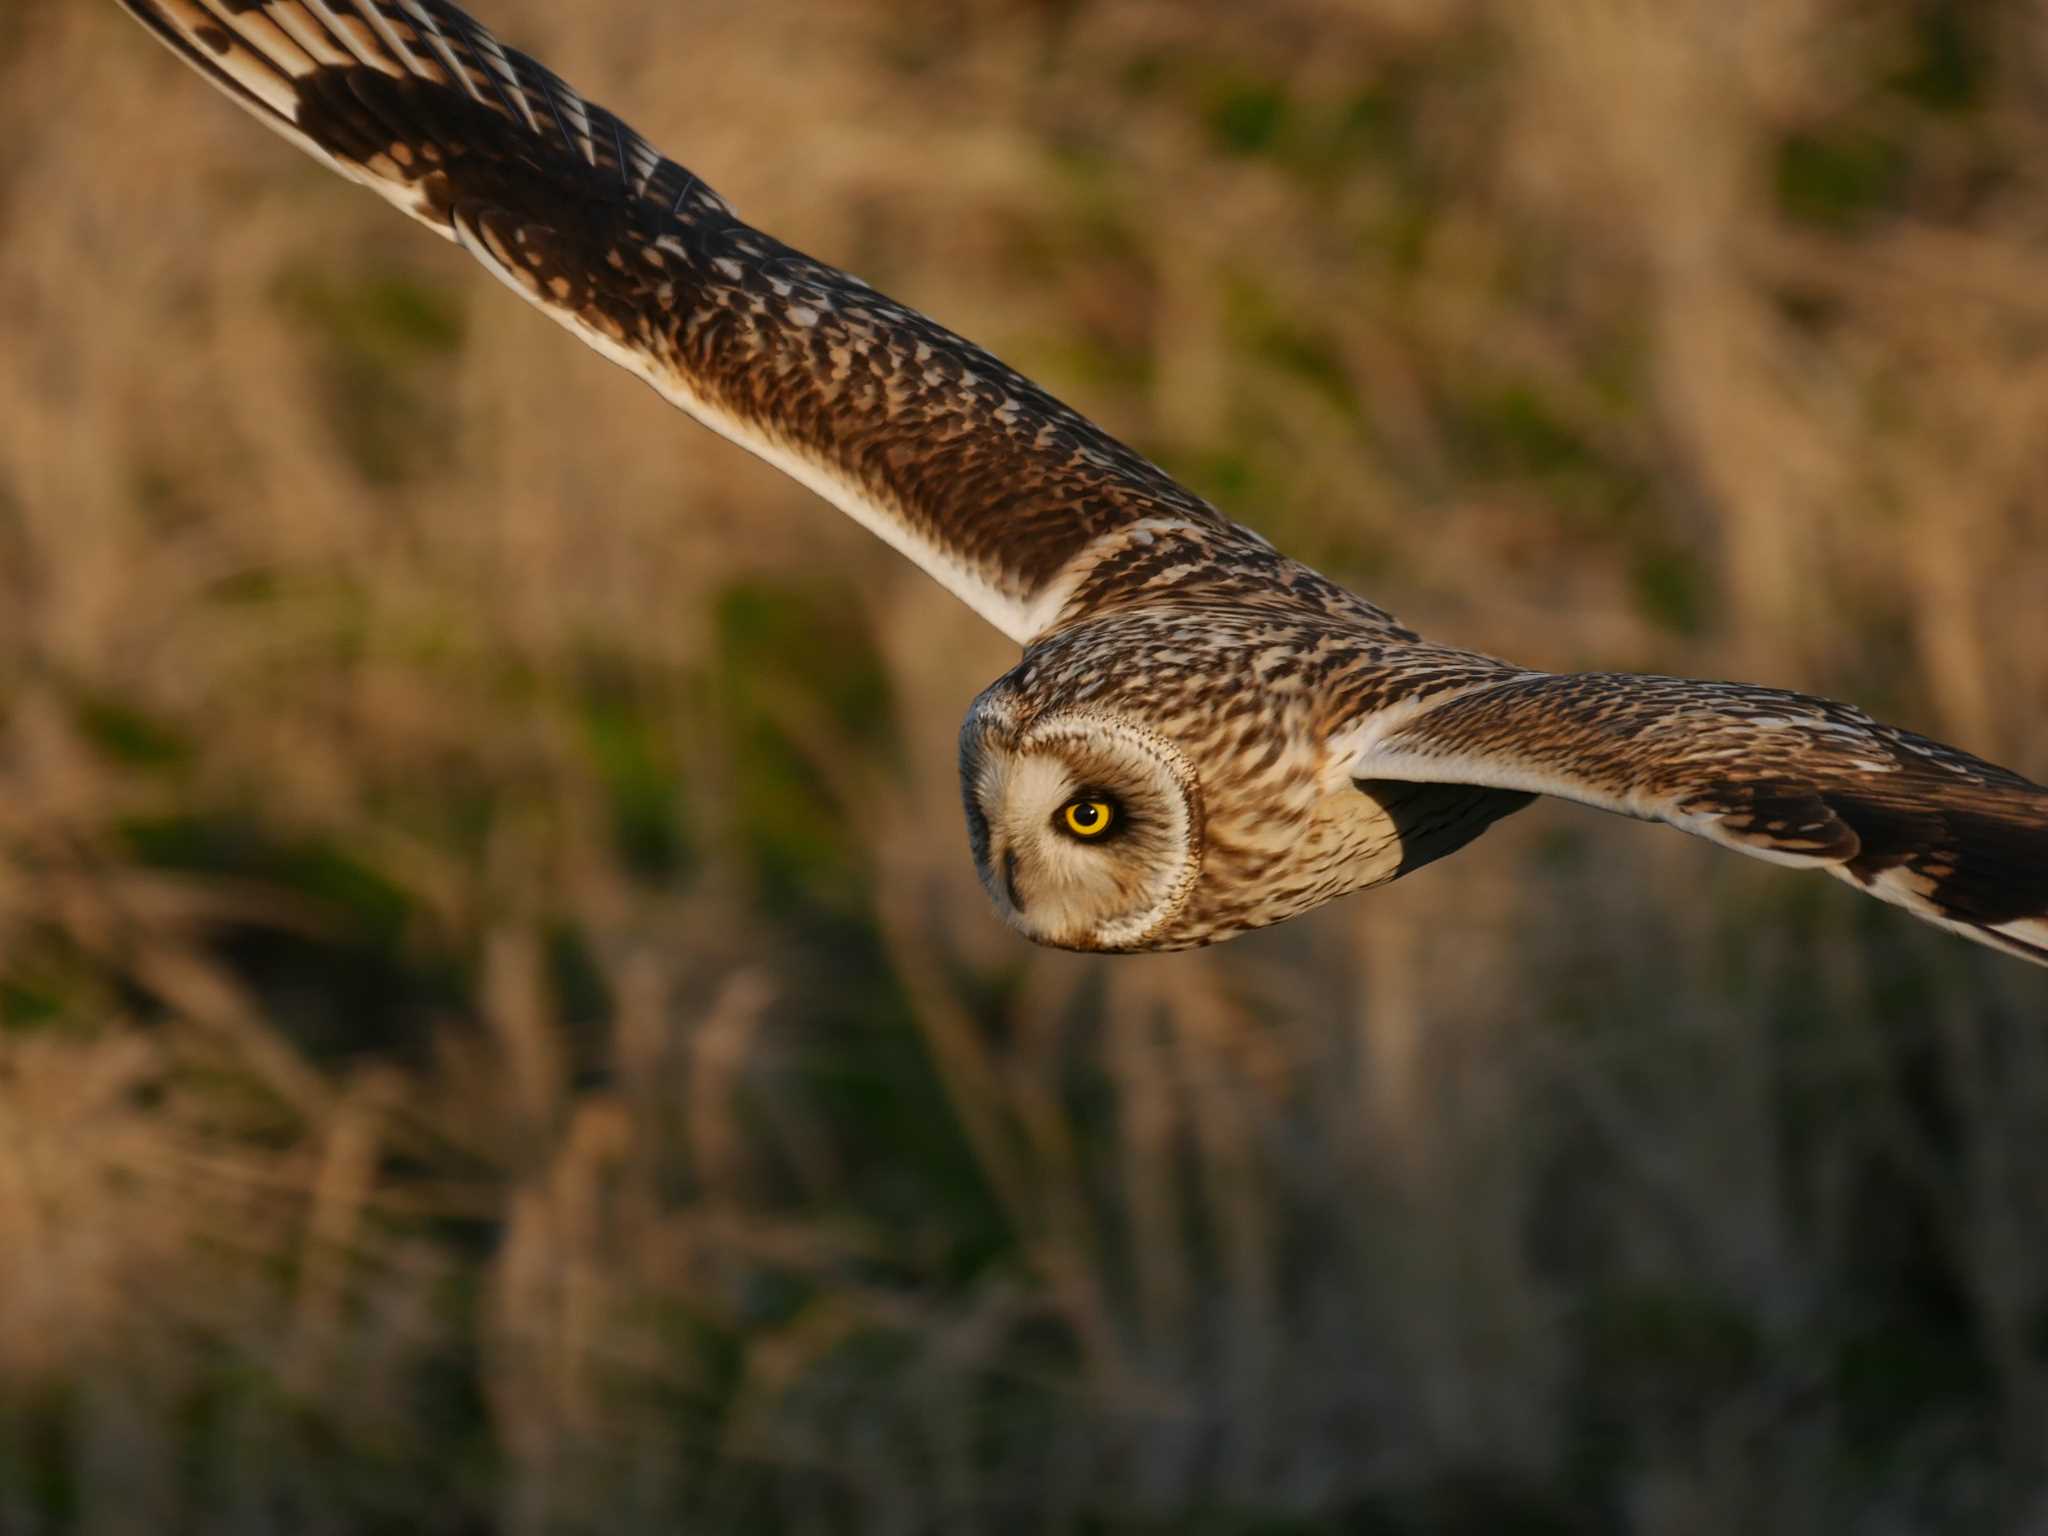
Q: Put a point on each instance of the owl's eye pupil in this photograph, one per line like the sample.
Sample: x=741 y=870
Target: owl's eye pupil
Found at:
x=1087 y=818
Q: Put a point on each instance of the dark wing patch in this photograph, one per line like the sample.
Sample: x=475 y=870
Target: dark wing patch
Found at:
x=1433 y=821
x=1985 y=863
x=1797 y=780
x=1773 y=816
x=994 y=487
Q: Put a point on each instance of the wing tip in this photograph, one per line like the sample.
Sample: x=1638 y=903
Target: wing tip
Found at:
x=1980 y=871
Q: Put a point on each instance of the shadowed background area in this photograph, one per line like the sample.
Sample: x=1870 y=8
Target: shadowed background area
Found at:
x=498 y=1028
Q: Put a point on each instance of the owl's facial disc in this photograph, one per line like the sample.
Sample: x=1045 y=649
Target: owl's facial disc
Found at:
x=1086 y=829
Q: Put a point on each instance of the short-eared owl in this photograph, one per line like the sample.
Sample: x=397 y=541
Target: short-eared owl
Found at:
x=1202 y=736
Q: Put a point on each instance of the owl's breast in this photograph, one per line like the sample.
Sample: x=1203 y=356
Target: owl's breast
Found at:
x=1265 y=861
x=1352 y=843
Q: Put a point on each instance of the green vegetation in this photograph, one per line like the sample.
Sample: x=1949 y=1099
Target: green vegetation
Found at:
x=383 y=346
x=1838 y=181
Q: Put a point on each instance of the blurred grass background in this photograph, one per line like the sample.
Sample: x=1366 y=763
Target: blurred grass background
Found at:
x=498 y=1030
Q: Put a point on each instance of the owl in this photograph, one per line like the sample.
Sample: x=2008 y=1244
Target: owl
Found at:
x=1202 y=736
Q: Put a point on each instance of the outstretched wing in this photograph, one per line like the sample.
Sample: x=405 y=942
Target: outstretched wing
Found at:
x=1802 y=781
x=986 y=481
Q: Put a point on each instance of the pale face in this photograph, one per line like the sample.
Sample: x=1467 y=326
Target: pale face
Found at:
x=1086 y=830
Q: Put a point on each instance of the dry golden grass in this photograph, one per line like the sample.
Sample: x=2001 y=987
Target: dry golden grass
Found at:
x=498 y=1030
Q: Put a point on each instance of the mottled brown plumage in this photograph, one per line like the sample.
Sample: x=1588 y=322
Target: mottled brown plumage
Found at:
x=1242 y=739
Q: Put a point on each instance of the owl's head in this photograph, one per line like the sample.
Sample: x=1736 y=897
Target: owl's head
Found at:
x=1086 y=827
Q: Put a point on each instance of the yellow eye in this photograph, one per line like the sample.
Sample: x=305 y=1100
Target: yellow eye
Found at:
x=1087 y=818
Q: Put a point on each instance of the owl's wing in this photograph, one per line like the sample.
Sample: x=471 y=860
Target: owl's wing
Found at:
x=1800 y=781
x=983 y=479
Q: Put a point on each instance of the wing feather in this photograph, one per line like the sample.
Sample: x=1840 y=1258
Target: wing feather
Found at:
x=1800 y=781
x=991 y=485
